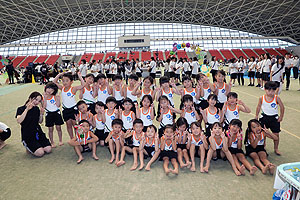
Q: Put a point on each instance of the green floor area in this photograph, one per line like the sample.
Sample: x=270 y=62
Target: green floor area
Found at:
x=57 y=176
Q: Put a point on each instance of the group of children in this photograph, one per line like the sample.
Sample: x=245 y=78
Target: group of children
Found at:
x=111 y=115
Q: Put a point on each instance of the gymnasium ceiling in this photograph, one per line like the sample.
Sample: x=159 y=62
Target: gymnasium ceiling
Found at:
x=25 y=18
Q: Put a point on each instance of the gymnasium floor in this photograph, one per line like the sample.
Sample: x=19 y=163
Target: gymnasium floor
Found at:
x=57 y=176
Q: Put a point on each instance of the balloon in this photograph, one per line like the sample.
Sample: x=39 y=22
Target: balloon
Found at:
x=183 y=45
x=0 y=57
x=172 y=52
x=178 y=46
x=188 y=45
x=175 y=44
x=193 y=47
x=175 y=48
x=197 y=52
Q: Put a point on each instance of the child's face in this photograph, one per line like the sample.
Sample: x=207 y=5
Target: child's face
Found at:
x=127 y=106
x=118 y=82
x=187 y=83
x=270 y=92
x=182 y=127
x=188 y=104
x=165 y=85
x=212 y=102
x=168 y=133
x=256 y=128
x=132 y=81
x=231 y=100
x=234 y=129
x=164 y=103
x=89 y=80
x=82 y=108
x=49 y=91
x=111 y=105
x=147 y=83
x=37 y=100
x=217 y=130
x=146 y=103
x=101 y=81
x=138 y=127
x=220 y=77
x=99 y=109
x=66 y=82
x=196 y=130
x=150 y=132
x=117 y=128
x=85 y=126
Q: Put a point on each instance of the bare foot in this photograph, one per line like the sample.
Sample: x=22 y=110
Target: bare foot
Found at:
x=112 y=160
x=2 y=145
x=134 y=166
x=242 y=170
x=188 y=164
x=277 y=152
x=79 y=160
x=60 y=143
x=53 y=145
x=120 y=163
x=265 y=169
x=116 y=161
x=205 y=169
x=237 y=172
x=147 y=168
x=141 y=166
x=95 y=157
x=168 y=171
x=193 y=168
x=174 y=171
x=202 y=170
x=253 y=170
x=181 y=165
x=271 y=168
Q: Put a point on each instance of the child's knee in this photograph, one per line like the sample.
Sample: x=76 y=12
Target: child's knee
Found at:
x=48 y=149
x=39 y=152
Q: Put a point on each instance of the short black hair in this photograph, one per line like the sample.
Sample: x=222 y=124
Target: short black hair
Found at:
x=222 y=72
x=111 y=99
x=181 y=121
x=186 y=78
x=134 y=77
x=100 y=103
x=232 y=94
x=127 y=100
x=52 y=86
x=196 y=123
x=90 y=75
x=236 y=122
x=117 y=77
x=149 y=97
x=212 y=96
x=68 y=75
x=80 y=103
x=84 y=121
x=149 y=78
x=187 y=97
x=169 y=126
x=216 y=123
x=164 y=79
x=270 y=85
x=117 y=122
x=138 y=121
x=84 y=61
x=152 y=126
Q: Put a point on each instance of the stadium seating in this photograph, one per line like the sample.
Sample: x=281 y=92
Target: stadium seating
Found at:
x=160 y=55
x=18 y=60
x=282 y=51
x=10 y=58
x=146 y=55
x=216 y=53
x=87 y=57
x=134 y=55
x=109 y=56
x=259 y=51
x=227 y=54
x=41 y=59
x=272 y=52
x=27 y=60
x=238 y=53
x=98 y=56
x=167 y=53
x=182 y=54
x=52 y=59
x=250 y=53
x=122 y=56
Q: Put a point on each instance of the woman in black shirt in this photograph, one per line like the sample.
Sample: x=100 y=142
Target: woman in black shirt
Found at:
x=29 y=116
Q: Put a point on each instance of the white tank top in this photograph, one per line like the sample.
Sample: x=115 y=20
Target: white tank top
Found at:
x=180 y=135
x=207 y=92
x=135 y=140
x=269 y=108
x=220 y=145
x=68 y=98
x=168 y=147
x=262 y=138
x=146 y=117
x=51 y=105
x=118 y=95
x=231 y=114
x=109 y=119
x=130 y=95
x=102 y=95
x=85 y=118
x=148 y=144
x=169 y=94
x=127 y=120
x=192 y=93
x=212 y=117
x=196 y=142
x=99 y=124
x=221 y=94
x=143 y=93
x=190 y=117
x=234 y=143
x=87 y=95
x=167 y=119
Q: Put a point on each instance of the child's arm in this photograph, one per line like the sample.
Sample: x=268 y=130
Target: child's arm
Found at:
x=280 y=118
x=124 y=91
x=94 y=121
x=174 y=143
x=212 y=142
x=204 y=140
x=109 y=89
x=142 y=143
x=156 y=142
x=185 y=137
x=108 y=137
x=57 y=99
x=240 y=140
x=243 y=107
x=229 y=140
x=225 y=141
x=175 y=110
x=199 y=91
x=79 y=87
x=213 y=88
x=137 y=111
x=133 y=116
x=56 y=80
x=94 y=138
x=189 y=137
x=73 y=142
x=136 y=91
x=253 y=142
x=196 y=113
x=95 y=89
x=269 y=134
x=221 y=116
x=152 y=111
x=162 y=143
x=228 y=88
x=258 y=107
x=160 y=116
x=81 y=93
x=203 y=112
x=174 y=88
x=159 y=93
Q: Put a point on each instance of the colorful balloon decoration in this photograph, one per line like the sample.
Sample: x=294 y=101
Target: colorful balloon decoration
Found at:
x=183 y=45
x=175 y=48
x=175 y=44
x=172 y=52
x=178 y=46
x=188 y=45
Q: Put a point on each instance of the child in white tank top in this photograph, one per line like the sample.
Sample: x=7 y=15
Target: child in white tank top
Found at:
x=88 y=93
x=103 y=89
x=146 y=112
x=189 y=112
x=221 y=89
x=130 y=91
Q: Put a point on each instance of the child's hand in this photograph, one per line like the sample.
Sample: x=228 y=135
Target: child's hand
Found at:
x=230 y=83
x=223 y=135
x=280 y=119
x=77 y=117
x=189 y=136
x=118 y=111
x=266 y=130
x=202 y=136
x=240 y=102
x=156 y=138
x=193 y=108
x=143 y=137
x=185 y=133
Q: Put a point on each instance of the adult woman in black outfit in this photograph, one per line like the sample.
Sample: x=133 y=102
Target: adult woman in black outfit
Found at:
x=29 y=116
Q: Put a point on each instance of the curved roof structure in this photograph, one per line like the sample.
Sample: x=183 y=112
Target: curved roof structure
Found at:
x=27 y=18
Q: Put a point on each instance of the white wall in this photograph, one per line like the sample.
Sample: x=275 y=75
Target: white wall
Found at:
x=295 y=49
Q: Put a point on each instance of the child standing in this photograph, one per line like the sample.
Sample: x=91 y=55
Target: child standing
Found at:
x=222 y=89
x=117 y=90
x=255 y=141
x=110 y=114
x=188 y=89
x=130 y=91
x=269 y=105
x=127 y=116
x=206 y=88
x=53 y=117
x=197 y=144
x=68 y=98
x=166 y=90
x=188 y=110
x=104 y=90
x=84 y=114
x=168 y=150
x=98 y=123
x=85 y=141
x=219 y=148
x=147 y=83
x=87 y=94
x=235 y=139
x=149 y=146
x=146 y=112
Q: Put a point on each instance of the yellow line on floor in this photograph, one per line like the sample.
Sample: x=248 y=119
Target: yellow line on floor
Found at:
x=258 y=97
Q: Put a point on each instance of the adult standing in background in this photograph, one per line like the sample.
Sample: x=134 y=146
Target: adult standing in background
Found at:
x=55 y=69
x=152 y=69
x=214 y=64
x=241 y=67
x=266 y=69
x=296 y=66
x=94 y=68
x=83 y=68
x=10 y=71
x=288 y=66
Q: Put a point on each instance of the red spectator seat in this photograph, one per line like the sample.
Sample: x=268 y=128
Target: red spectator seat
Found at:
x=259 y=51
x=250 y=53
x=109 y=56
x=98 y=56
x=134 y=55
x=238 y=53
x=227 y=54
x=18 y=60
x=122 y=56
x=146 y=55
x=52 y=59
x=41 y=59
x=272 y=52
x=87 y=57
x=182 y=54
x=282 y=51
x=216 y=53
x=160 y=55
x=10 y=58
